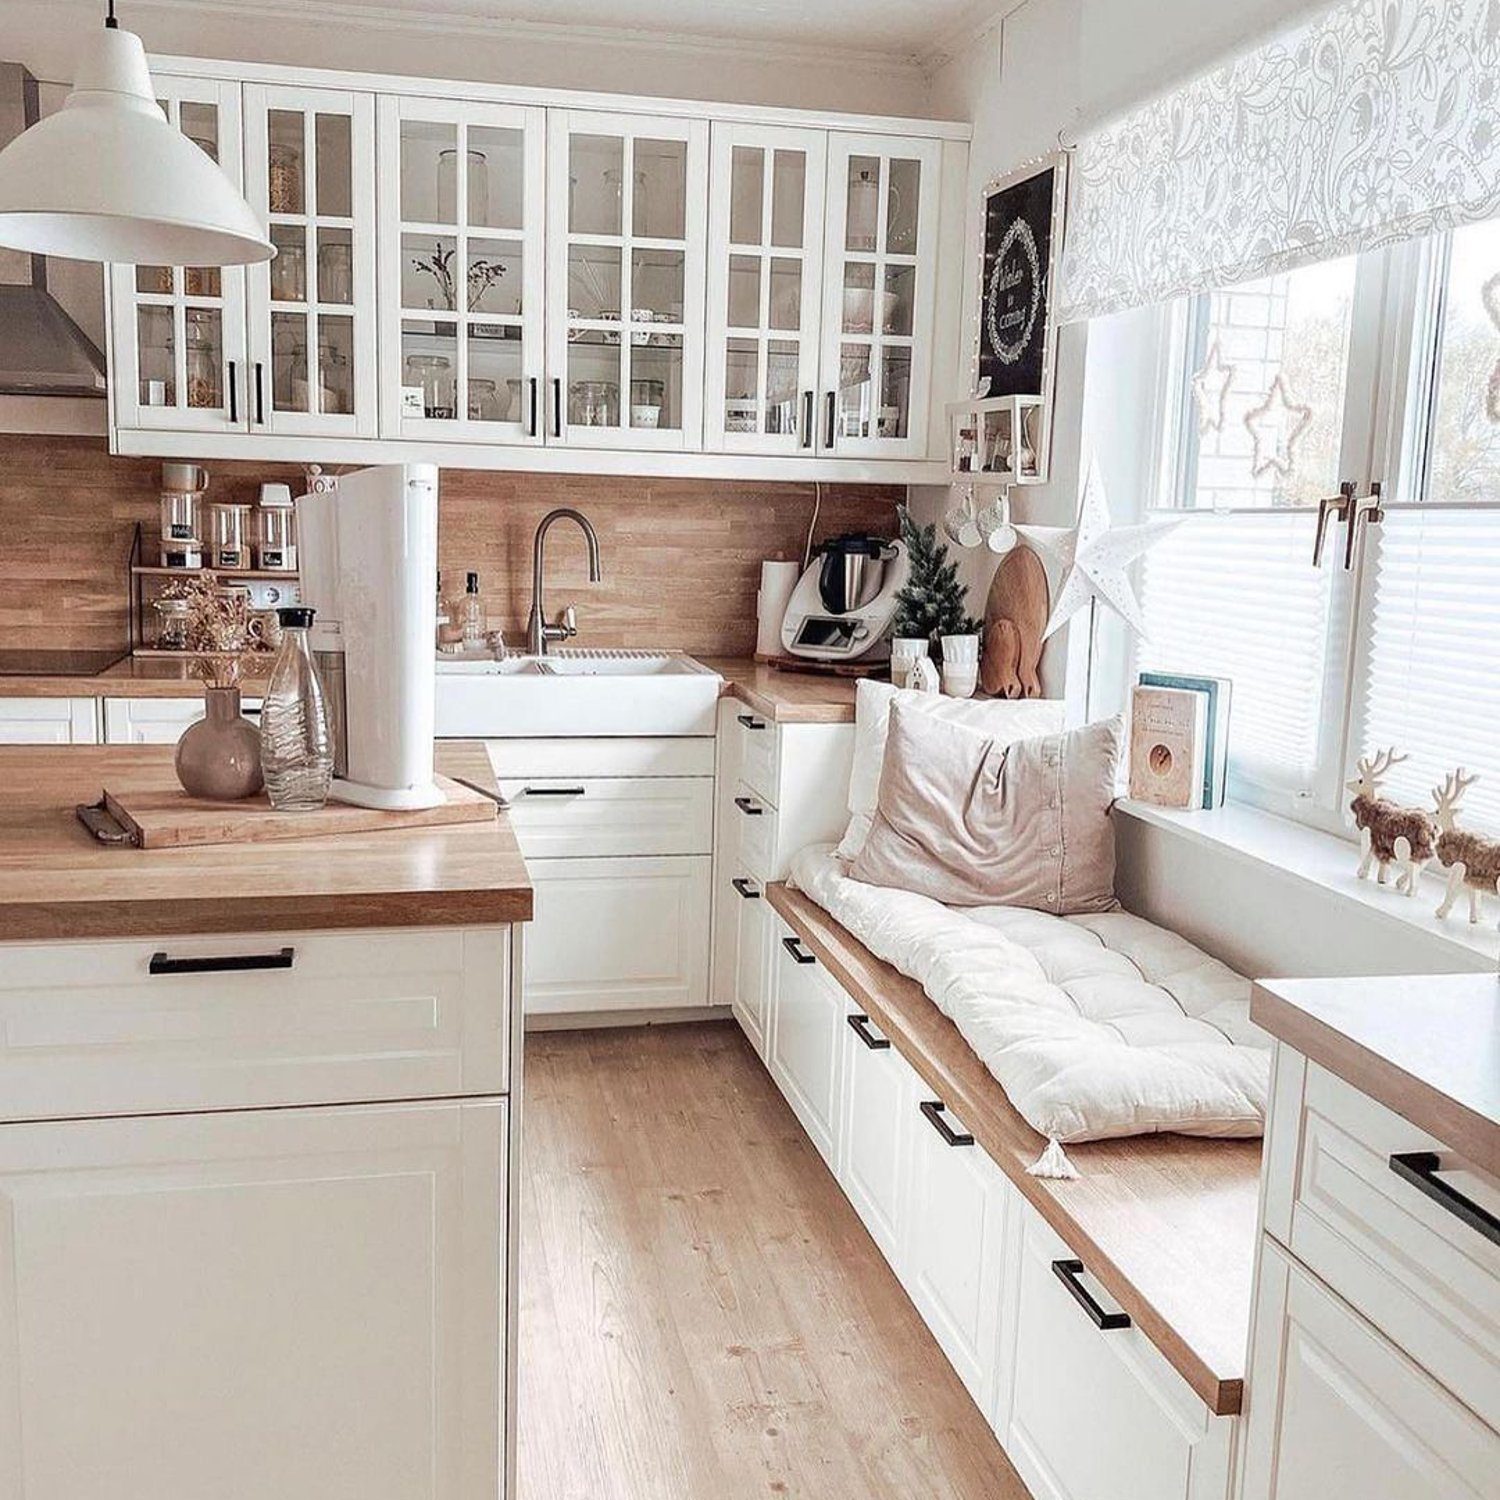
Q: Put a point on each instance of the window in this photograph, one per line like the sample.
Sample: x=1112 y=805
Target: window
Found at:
x=1384 y=367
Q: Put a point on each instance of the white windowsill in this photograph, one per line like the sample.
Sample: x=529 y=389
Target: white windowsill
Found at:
x=1280 y=847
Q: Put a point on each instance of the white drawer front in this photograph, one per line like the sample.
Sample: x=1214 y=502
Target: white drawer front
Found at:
x=88 y=1029
x=618 y=934
x=49 y=721
x=807 y=1012
x=759 y=753
x=591 y=757
x=156 y=721
x=752 y=969
x=878 y=1085
x=1410 y=1264
x=555 y=817
x=755 y=821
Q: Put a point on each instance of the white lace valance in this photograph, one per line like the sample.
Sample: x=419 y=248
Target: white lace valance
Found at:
x=1379 y=122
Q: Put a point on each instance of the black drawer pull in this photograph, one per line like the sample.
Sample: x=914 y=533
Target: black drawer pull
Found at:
x=745 y=889
x=552 y=791
x=231 y=963
x=793 y=945
x=750 y=721
x=1420 y=1168
x=234 y=395
x=860 y=1026
x=1068 y=1272
x=934 y=1112
x=750 y=808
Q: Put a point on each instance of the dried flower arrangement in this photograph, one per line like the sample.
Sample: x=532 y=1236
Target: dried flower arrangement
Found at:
x=217 y=629
x=483 y=274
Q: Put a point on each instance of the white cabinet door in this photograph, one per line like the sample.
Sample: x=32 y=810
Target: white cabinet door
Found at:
x=627 y=233
x=1337 y=1410
x=156 y=721
x=49 y=721
x=803 y=1039
x=726 y=901
x=310 y=174
x=952 y=1261
x=177 y=333
x=765 y=284
x=462 y=208
x=618 y=934
x=753 y=971
x=876 y=1142
x=879 y=288
x=291 y=1302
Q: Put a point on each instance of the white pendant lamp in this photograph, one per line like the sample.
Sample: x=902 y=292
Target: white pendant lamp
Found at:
x=109 y=178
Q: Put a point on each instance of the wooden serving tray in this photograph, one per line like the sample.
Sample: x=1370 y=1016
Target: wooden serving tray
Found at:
x=165 y=817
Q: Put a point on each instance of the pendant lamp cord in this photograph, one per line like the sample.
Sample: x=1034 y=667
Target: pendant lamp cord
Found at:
x=110 y=24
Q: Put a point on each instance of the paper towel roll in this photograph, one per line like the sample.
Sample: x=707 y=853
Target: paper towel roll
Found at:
x=777 y=581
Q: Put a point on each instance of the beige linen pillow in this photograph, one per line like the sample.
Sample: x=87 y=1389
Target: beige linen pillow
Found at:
x=971 y=821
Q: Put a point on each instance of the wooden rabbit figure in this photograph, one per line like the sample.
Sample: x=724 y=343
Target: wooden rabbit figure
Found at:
x=1470 y=860
x=1389 y=833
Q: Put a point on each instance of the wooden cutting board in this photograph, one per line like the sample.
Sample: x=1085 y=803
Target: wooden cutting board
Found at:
x=165 y=817
x=1015 y=615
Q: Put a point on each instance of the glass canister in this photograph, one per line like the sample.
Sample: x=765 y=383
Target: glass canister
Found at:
x=179 y=515
x=296 y=747
x=231 y=536
x=434 y=373
x=276 y=541
x=171 y=629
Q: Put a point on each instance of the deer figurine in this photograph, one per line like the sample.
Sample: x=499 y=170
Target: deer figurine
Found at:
x=1470 y=860
x=1389 y=833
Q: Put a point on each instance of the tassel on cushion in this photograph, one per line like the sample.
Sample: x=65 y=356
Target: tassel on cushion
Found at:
x=1053 y=1162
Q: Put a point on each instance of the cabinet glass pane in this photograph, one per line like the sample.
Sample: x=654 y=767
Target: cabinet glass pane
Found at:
x=594 y=380
x=595 y=179
x=289 y=390
x=201 y=281
x=903 y=199
x=788 y=194
x=497 y=168
x=289 y=268
x=429 y=360
x=157 y=351
x=659 y=210
x=783 y=368
x=333 y=142
x=786 y=293
x=895 y=393
x=741 y=385
x=428 y=264
x=744 y=291
x=203 y=347
x=862 y=204
x=423 y=143
x=856 y=397
x=747 y=169
x=335 y=265
x=593 y=281
x=156 y=280
x=495 y=276
x=656 y=285
x=199 y=122
x=899 y=302
x=336 y=365
x=656 y=382
x=495 y=382
x=859 y=297
x=285 y=165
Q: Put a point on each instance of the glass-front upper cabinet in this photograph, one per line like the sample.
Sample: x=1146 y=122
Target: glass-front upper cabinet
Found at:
x=463 y=194
x=179 y=331
x=310 y=175
x=880 y=267
x=765 y=287
x=627 y=247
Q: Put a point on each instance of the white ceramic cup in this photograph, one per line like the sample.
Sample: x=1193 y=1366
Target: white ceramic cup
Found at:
x=960 y=679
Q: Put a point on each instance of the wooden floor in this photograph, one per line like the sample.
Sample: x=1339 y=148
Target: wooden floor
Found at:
x=703 y=1316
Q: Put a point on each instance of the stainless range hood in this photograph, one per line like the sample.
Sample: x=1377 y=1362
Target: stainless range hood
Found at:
x=43 y=352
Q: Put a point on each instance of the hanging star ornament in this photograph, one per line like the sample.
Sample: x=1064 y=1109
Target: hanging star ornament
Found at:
x=1276 y=426
x=1491 y=294
x=1092 y=560
x=1211 y=390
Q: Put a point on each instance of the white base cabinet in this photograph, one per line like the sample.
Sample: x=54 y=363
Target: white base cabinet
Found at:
x=49 y=721
x=157 y=721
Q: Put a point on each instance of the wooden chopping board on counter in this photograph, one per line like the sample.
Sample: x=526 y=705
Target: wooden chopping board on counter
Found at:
x=164 y=817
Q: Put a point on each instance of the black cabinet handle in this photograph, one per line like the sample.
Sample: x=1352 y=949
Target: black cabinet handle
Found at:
x=746 y=890
x=832 y=400
x=1420 y=1168
x=234 y=395
x=793 y=945
x=552 y=791
x=557 y=408
x=749 y=807
x=809 y=400
x=1068 y=1272
x=231 y=963
x=535 y=406
x=750 y=721
x=860 y=1026
x=260 y=409
x=934 y=1112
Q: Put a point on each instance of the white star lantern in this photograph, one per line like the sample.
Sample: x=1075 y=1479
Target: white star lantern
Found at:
x=1092 y=560
x=1211 y=390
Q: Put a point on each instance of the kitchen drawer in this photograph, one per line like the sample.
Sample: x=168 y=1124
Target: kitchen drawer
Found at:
x=759 y=753
x=1411 y=1264
x=752 y=970
x=803 y=1038
x=557 y=817
x=89 y=1029
x=157 y=721
x=662 y=756
x=878 y=1085
x=754 y=819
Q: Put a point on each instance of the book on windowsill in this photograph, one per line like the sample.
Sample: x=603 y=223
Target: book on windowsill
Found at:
x=1168 y=746
x=1218 y=691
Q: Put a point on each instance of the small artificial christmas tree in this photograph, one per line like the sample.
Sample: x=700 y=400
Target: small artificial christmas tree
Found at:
x=932 y=603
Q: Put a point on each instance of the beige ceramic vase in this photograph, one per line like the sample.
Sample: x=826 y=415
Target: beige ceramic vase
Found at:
x=218 y=758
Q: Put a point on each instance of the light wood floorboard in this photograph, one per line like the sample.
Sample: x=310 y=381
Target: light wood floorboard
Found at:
x=703 y=1316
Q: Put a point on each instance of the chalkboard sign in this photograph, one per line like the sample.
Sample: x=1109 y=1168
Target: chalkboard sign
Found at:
x=1022 y=232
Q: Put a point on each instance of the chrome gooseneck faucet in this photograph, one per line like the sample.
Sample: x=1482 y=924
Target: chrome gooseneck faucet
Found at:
x=538 y=631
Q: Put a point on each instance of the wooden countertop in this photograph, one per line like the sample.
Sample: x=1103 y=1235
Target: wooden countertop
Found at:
x=1167 y=1223
x=1427 y=1047
x=785 y=697
x=56 y=882
x=132 y=677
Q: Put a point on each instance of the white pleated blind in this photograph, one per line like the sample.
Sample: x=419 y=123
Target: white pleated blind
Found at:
x=1431 y=677
x=1237 y=596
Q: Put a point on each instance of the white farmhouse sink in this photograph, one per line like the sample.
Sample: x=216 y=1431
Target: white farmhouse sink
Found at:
x=575 y=693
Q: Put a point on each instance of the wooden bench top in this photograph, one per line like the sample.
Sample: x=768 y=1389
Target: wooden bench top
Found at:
x=1167 y=1223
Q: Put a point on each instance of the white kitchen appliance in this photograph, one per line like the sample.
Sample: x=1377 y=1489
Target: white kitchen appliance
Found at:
x=842 y=607
x=368 y=545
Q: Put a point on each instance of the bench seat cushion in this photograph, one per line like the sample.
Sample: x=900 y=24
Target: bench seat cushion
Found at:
x=1095 y=1026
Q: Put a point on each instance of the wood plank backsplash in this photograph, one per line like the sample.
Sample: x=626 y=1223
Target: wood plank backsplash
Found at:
x=681 y=557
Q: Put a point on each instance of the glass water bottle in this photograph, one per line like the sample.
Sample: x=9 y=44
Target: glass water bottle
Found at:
x=296 y=749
